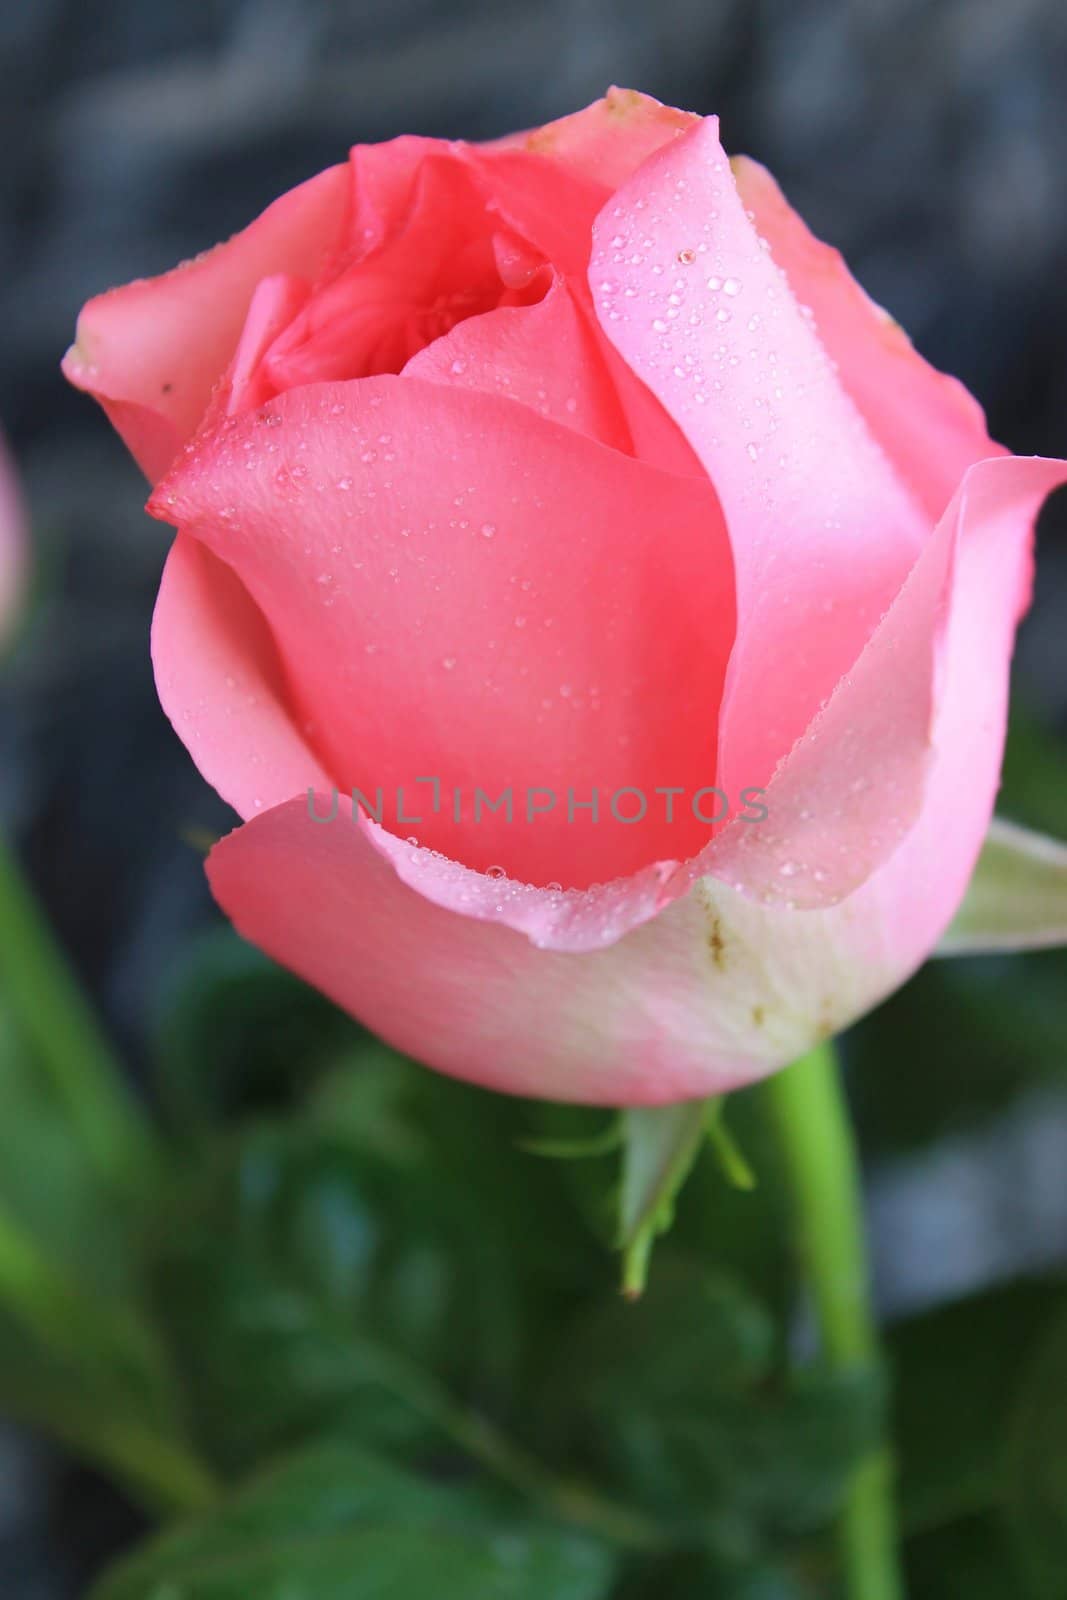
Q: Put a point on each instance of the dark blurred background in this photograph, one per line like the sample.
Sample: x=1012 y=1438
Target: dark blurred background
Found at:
x=928 y=140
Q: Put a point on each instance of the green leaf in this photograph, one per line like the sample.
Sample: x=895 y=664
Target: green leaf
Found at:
x=680 y=1404
x=284 y=1282
x=1017 y=897
x=577 y=1149
x=236 y=1033
x=691 y=1574
x=1034 y=776
x=1036 y=1472
x=971 y=1559
x=337 y=1524
x=660 y=1144
x=954 y=1375
x=306 y=1280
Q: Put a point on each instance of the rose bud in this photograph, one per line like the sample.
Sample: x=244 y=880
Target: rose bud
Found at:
x=566 y=464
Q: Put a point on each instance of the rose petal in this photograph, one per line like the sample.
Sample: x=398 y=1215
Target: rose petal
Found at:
x=715 y=991
x=822 y=531
x=1016 y=897
x=608 y=140
x=462 y=589
x=856 y=783
x=931 y=428
x=911 y=900
x=274 y=305
x=151 y=351
x=641 y=1023
x=440 y=266
x=545 y=356
x=221 y=684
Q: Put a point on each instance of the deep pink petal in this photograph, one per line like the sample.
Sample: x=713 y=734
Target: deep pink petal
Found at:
x=551 y=206
x=221 y=684
x=150 y=352
x=462 y=589
x=274 y=305
x=930 y=427
x=546 y=356
x=382 y=180
x=438 y=265
x=822 y=531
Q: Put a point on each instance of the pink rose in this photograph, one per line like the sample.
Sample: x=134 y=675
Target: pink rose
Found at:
x=564 y=464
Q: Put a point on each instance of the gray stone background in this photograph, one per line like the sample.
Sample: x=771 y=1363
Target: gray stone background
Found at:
x=928 y=139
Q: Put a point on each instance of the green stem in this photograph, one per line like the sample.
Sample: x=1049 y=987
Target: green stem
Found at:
x=815 y=1133
x=61 y=1030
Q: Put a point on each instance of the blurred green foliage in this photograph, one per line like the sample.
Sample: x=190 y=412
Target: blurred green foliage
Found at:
x=358 y=1332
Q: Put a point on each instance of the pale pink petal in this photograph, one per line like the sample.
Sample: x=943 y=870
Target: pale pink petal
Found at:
x=931 y=428
x=607 y=141
x=151 y=351
x=911 y=900
x=718 y=989
x=637 y=1023
x=859 y=778
x=464 y=590
x=822 y=531
x=221 y=684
